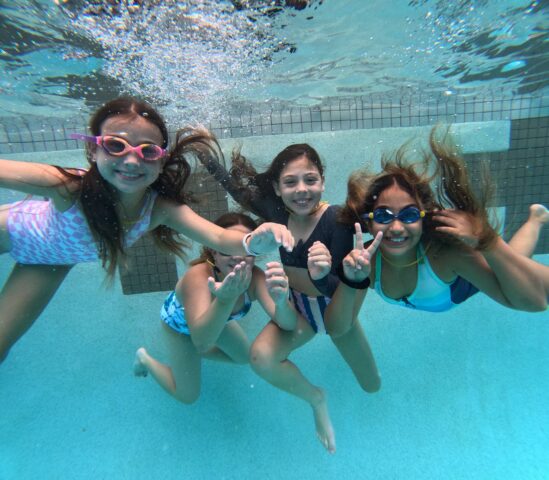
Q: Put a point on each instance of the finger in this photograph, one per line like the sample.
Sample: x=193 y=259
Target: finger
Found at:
x=449 y=230
x=314 y=259
x=229 y=278
x=359 y=243
x=349 y=261
x=211 y=284
x=319 y=247
x=290 y=241
x=375 y=243
x=323 y=263
x=447 y=220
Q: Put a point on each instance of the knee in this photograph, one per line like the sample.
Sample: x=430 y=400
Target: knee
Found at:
x=372 y=385
x=261 y=357
x=339 y=329
x=187 y=398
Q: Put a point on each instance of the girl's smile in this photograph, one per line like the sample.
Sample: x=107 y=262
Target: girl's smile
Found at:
x=399 y=239
x=129 y=173
x=300 y=186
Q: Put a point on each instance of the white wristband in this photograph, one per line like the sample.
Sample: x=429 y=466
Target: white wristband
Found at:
x=245 y=245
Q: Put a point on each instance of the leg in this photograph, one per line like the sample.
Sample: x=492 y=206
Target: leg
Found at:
x=526 y=237
x=182 y=379
x=269 y=359
x=346 y=332
x=356 y=351
x=232 y=345
x=27 y=291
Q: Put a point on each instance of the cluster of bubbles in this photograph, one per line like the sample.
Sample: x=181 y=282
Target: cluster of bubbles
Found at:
x=200 y=60
x=195 y=58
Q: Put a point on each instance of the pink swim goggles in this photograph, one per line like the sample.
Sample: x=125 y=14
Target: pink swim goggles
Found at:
x=118 y=147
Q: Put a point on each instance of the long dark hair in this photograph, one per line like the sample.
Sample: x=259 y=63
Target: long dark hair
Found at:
x=253 y=184
x=440 y=180
x=98 y=198
x=226 y=220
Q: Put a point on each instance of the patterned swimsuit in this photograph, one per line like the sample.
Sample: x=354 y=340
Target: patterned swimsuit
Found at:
x=41 y=234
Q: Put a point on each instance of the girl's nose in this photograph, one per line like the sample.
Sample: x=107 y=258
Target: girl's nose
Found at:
x=300 y=187
x=396 y=226
x=131 y=159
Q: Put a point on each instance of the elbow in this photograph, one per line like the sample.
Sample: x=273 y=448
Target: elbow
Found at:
x=532 y=297
x=532 y=305
x=538 y=306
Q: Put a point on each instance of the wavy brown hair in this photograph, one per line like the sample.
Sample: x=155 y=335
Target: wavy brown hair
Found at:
x=253 y=184
x=98 y=198
x=438 y=181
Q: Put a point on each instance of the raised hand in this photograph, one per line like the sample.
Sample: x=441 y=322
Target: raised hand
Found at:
x=461 y=225
x=269 y=236
x=357 y=264
x=319 y=261
x=277 y=282
x=234 y=284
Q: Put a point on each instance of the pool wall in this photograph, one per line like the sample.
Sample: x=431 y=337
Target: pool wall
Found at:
x=463 y=395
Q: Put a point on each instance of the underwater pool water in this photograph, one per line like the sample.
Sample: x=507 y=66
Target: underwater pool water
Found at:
x=463 y=395
x=464 y=392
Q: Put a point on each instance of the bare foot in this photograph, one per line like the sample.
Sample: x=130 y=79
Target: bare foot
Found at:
x=139 y=368
x=538 y=213
x=324 y=429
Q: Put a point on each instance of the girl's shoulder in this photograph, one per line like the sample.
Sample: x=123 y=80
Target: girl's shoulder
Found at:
x=196 y=276
x=446 y=260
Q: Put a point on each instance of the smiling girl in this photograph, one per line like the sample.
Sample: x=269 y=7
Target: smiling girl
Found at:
x=290 y=192
x=134 y=184
x=200 y=317
x=438 y=247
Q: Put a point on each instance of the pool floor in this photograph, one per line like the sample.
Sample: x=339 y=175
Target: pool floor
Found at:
x=464 y=396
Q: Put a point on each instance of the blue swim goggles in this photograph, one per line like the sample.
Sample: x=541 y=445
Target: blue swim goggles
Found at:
x=384 y=216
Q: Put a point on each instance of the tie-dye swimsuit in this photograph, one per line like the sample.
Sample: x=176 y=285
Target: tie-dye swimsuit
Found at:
x=40 y=234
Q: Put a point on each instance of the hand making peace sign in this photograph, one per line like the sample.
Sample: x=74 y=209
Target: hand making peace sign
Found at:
x=357 y=263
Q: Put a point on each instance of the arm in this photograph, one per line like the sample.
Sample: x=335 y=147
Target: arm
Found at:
x=208 y=304
x=353 y=287
x=34 y=179
x=271 y=289
x=325 y=260
x=508 y=277
x=524 y=282
x=319 y=265
x=183 y=219
x=260 y=205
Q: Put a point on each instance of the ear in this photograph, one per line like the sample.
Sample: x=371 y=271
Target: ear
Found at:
x=275 y=188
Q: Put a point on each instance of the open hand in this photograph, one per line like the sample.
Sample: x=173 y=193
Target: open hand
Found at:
x=234 y=284
x=461 y=225
x=269 y=236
